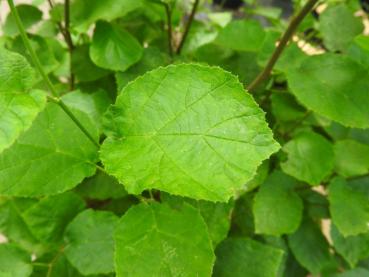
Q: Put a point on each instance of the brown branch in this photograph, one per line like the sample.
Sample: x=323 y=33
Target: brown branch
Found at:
x=296 y=20
x=188 y=26
x=68 y=40
x=168 y=12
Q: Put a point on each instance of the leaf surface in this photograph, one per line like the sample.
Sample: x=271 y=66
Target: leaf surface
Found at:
x=188 y=130
x=14 y=261
x=90 y=244
x=155 y=240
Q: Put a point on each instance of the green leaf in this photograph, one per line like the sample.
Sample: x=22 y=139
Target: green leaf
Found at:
x=310 y=158
x=238 y=257
x=311 y=249
x=188 y=130
x=29 y=15
x=352 y=248
x=351 y=157
x=101 y=186
x=155 y=240
x=86 y=12
x=337 y=37
x=16 y=75
x=359 y=50
x=90 y=243
x=48 y=218
x=82 y=66
x=277 y=207
x=17 y=112
x=332 y=85
x=114 y=48
x=357 y=272
x=14 y=261
x=349 y=208
x=285 y=107
x=241 y=35
x=51 y=157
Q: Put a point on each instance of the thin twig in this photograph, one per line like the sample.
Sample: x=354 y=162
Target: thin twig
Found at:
x=296 y=20
x=68 y=40
x=168 y=12
x=44 y=76
x=188 y=26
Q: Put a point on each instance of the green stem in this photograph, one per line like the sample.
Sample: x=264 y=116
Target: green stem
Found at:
x=188 y=26
x=38 y=65
x=296 y=20
x=168 y=12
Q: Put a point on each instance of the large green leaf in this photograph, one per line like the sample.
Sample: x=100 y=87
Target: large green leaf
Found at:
x=334 y=86
x=51 y=157
x=155 y=240
x=90 y=243
x=310 y=158
x=349 y=208
x=277 y=207
x=14 y=261
x=337 y=37
x=86 y=12
x=48 y=218
x=310 y=248
x=242 y=35
x=114 y=48
x=29 y=15
x=352 y=158
x=237 y=257
x=186 y=129
x=352 y=248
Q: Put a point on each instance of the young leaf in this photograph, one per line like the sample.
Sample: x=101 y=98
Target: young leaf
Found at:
x=310 y=158
x=238 y=257
x=351 y=158
x=14 y=261
x=155 y=240
x=242 y=35
x=337 y=37
x=188 y=130
x=333 y=85
x=114 y=48
x=352 y=248
x=51 y=157
x=90 y=244
x=349 y=208
x=48 y=218
x=310 y=248
x=277 y=208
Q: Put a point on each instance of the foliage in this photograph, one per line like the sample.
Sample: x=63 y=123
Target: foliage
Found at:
x=183 y=138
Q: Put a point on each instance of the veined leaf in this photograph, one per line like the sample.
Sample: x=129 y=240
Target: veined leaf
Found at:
x=114 y=48
x=334 y=86
x=155 y=240
x=14 y=261
x=51 y=157
x=90 y=244
x=188 y=130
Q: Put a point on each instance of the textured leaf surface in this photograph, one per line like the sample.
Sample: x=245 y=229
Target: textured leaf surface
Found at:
x=16 y=75
x=48 y=218
x=114 y=48
x=349 y=208
x=14 y=261
x=189 y=130
x=90 y=243
x=277 y=208
x=238 y=257
x=242 y=35
x=352 y=248
x=334 y=86
x=352 y=158
x=155 y=240
x=51 y=157
x=310 y=157
x=310 y=248
x=337 y=37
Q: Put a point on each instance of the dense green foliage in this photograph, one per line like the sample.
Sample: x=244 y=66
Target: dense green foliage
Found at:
x=170 y=138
